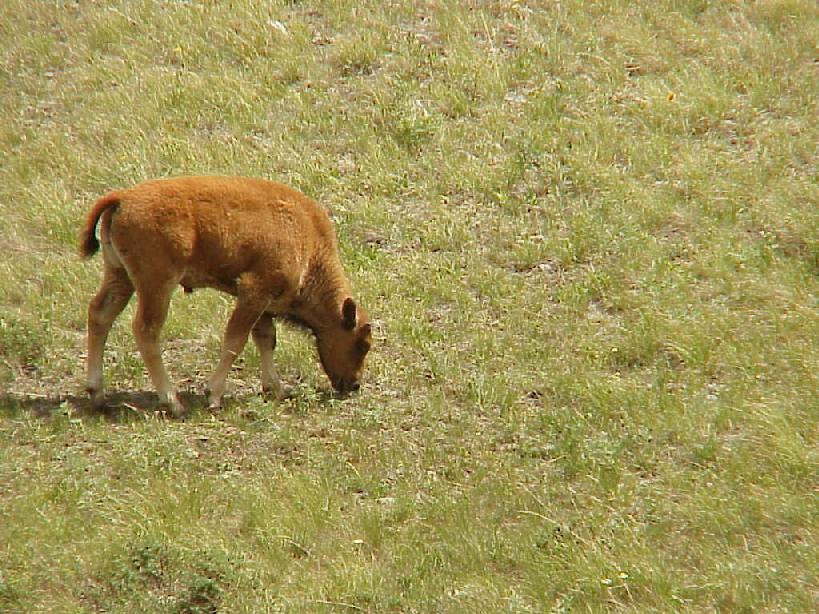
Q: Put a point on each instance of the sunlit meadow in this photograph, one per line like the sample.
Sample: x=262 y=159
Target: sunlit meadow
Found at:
x=588 y=234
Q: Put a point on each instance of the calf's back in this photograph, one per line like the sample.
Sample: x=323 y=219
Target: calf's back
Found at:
x=207 y=231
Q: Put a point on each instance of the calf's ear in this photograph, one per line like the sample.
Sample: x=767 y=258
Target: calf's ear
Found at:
x=348 y=313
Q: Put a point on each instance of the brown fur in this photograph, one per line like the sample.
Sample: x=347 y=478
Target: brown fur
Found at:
x=268 y=245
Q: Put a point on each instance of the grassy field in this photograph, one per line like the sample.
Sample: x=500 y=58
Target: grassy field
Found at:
x=588 y=234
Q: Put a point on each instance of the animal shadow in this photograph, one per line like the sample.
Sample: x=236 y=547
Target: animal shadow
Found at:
x=120 y=406
x=130 y=405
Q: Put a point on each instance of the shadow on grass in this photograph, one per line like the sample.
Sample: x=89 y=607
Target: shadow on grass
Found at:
x=121 y=406
x=129 y=406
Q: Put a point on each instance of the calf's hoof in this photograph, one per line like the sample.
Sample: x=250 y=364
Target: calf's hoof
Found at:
x=97 y=397
x=275 y=392
x=214 y=400
x=173 y=403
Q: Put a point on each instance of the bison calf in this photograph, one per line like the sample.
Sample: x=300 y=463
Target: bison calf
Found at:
x=266 y=244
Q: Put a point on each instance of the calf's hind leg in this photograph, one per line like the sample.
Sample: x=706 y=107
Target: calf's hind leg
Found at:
x=264 y=336
x=114 y=293
x=152 y=309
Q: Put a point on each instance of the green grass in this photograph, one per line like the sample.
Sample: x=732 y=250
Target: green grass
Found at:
x=588 y=234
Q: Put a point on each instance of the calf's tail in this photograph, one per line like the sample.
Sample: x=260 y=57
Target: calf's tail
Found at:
x=89 y=244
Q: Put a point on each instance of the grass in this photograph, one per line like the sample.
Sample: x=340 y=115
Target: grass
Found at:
x=587 y=234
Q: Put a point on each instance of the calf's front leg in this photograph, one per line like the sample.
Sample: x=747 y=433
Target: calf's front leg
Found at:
x=264 y=336
x=243 y=318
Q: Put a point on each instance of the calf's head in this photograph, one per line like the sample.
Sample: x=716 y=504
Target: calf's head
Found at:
x=343 y=346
